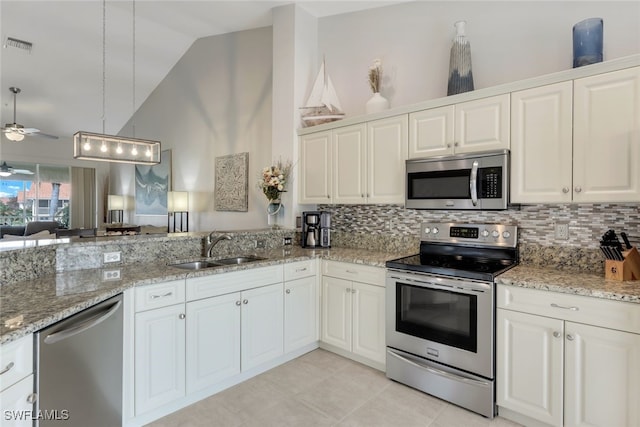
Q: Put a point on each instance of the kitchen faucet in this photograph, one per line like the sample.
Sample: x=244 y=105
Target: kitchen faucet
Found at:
x=211 y=242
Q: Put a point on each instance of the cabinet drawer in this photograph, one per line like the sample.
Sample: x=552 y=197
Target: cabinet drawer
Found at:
x=226 y=283
x=356 y=272
x=16 y=361
x=159 y=295
x=623 y=316
x=298 y=270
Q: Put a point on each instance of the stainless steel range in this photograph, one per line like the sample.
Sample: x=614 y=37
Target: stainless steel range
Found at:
x=440 y=314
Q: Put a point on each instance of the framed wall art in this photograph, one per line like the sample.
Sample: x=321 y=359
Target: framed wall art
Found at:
x=152 y=185
x=232 y=184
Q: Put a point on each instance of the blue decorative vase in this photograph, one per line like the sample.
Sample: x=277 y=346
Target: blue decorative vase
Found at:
x=587 y=42
x=460 y=75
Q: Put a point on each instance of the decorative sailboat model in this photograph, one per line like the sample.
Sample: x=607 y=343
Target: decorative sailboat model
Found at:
x=323 y=105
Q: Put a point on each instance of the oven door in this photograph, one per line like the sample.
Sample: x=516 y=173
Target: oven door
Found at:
x=450 y=321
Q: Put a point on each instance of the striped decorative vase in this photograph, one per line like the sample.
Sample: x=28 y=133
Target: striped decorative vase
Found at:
x=460 y=74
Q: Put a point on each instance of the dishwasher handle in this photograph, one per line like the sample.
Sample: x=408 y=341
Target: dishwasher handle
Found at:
x=82 y=326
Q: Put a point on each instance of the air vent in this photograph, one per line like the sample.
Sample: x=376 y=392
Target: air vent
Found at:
x=18 y=44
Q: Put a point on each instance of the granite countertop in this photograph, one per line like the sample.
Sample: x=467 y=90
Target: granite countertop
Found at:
x=27 y=307
x=571 y=282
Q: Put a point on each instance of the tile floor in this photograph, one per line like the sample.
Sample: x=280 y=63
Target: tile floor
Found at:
x=324 y=389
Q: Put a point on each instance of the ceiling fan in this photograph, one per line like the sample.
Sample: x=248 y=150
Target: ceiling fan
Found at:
x=6 y=170
x=16 y=132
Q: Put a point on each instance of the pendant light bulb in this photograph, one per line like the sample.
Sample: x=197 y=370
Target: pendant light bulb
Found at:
x=86 y=146
x=103 y=147
x=134 y=151
x=148 y=152
x=119 y=149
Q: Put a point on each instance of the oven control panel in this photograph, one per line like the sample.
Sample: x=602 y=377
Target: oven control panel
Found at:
x=482 y=234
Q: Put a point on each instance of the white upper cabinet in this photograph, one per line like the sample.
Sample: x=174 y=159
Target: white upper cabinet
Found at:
x=431 y=132
x=386 y=155
x=349 y=164
x=606 y=138
x=366 y=163
x=577 y=141
x=482 y=125
x=541 y=144
x=473 y=126
x=315 y=168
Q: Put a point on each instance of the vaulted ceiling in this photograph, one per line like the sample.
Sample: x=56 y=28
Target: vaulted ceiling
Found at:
x=61 y=78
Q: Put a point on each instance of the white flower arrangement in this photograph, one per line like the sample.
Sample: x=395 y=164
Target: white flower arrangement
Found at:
x=274 y=179
x=375 y=76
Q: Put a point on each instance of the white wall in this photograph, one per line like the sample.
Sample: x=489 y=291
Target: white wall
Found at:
x=510 y=41
x=215 y=101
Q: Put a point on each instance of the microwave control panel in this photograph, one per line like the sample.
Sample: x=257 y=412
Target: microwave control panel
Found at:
x=490 y=183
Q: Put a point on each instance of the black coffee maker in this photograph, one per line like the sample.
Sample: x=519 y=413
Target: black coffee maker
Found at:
x=316 y=229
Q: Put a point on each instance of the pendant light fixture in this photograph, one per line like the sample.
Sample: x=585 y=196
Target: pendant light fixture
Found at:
x=113 y=148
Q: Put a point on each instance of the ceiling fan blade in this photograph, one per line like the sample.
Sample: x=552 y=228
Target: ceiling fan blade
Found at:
x=22 y=171
x=44 y=135
x=28 y=131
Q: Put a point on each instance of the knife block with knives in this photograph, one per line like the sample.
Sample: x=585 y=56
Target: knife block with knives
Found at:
x=619 y=265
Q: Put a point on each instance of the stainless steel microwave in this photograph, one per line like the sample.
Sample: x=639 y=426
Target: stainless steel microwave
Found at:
x=478 y=181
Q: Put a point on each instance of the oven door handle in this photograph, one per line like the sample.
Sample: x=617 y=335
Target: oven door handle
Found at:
x=440 y=372
x=473 y=183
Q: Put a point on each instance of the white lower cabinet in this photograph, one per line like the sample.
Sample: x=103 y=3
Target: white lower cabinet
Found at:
x=300 y=313
x=554 y=369
x=213 y=340
x=262 y=321
x=159 y=357
x=232 y=333
x=17 y=385
x=353 y=311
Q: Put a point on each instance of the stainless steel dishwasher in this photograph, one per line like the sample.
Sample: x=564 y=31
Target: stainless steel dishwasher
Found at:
x=79 y=373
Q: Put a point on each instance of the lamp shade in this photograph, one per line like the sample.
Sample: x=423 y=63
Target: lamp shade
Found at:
x=115 y=203
x=178 y=201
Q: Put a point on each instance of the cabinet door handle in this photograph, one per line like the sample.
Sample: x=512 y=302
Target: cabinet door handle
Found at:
x=455 y=144
x=238 y=303
x=7 y=368
x=328 y=196
x=351 y=272
x=578 y=189
x=570 y=337
x=168 y=294
x=288 y=291
x=572 y=308
x=300 y=270
x=32 y=398
x=181 y=316
x=246 y=301
x=556 y=334
x=565 y=190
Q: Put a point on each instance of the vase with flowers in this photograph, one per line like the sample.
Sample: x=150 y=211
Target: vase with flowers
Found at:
x=378 y=102
x=273 y=183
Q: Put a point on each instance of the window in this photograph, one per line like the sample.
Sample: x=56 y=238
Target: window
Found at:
x=35 y=192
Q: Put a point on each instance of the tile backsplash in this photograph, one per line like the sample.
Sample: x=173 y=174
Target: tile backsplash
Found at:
x=394 y=228
x=587 y=222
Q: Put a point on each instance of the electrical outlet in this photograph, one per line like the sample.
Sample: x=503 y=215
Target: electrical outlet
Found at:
x=111 y=274
x=562 y=231
x=259 y=244
x=286 y=241
x=109 y=257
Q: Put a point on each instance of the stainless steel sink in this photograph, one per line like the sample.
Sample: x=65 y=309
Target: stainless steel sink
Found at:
x=196 y=265
x=239 y=260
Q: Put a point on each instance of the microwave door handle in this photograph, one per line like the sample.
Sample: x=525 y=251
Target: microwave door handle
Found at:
x=473 y=183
